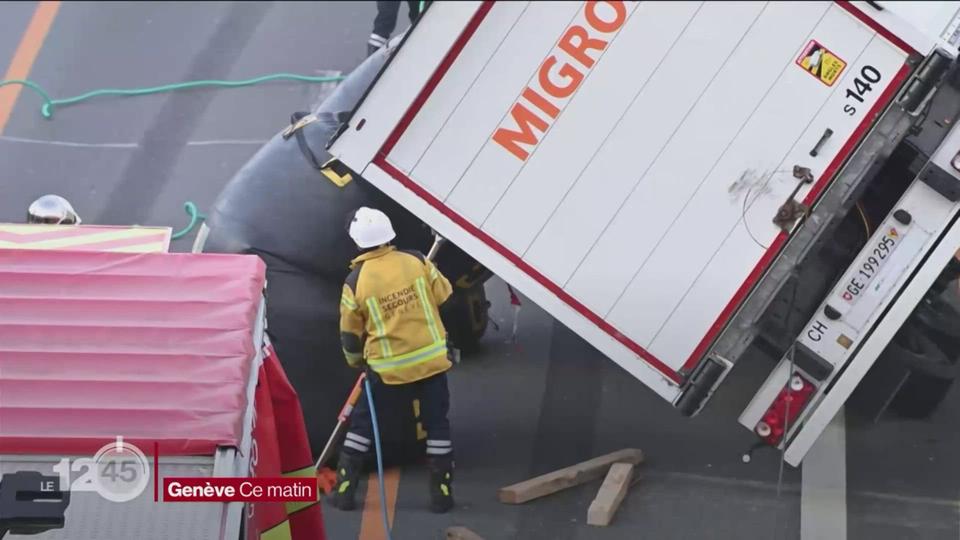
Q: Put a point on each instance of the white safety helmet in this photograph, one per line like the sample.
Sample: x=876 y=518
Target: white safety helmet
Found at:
x=370 y=228
x=52 y=209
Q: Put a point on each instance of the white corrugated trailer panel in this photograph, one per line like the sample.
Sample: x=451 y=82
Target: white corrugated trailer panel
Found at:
x=492 y=170
x=584 y=127
x=627 y=202
x=776 y=34
x=766 y=118
x=468 y=105
x=646 y=125
x=746 y=240
x=401 y=86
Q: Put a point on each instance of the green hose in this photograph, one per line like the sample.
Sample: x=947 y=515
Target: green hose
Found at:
x=49 y=104
x=195 y=218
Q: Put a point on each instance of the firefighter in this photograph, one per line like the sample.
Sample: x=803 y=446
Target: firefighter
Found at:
x=52 y=209
x=390 y=324
x=386 y=21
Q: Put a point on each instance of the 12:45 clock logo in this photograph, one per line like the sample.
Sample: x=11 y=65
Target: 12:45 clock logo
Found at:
x=820 y=62
x=118 y=472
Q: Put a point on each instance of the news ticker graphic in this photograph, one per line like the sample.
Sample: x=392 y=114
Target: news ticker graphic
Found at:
x=120 y=472
x=230 y=489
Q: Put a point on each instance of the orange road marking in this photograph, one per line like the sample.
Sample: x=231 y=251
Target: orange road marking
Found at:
x=25 y=55
x=371 y=523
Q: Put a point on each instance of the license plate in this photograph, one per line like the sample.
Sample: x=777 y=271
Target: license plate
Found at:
x=870 y=264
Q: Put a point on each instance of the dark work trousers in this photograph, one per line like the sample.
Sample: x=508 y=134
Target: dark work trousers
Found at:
x=386 y=21
x=434 y=406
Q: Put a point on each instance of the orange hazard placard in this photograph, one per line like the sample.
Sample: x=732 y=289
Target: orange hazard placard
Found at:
x=85 y=237
x=820 y=62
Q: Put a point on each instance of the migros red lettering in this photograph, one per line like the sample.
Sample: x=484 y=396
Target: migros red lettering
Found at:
x=509 y=139
x=619 y=16
x=573 y=76
x=532 y=96
x=578 y=51
x=577 y=44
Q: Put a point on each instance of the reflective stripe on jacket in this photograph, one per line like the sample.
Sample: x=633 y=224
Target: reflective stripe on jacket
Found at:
x=389 y=315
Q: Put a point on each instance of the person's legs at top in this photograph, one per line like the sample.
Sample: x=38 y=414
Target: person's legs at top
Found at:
x=434 y=408
x=413 y=10
x=383 y=24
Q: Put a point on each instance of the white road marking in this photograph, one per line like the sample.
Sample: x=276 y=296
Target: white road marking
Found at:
x=72 y=144
x=823 y=495
x=10 y=138
x=229 y=142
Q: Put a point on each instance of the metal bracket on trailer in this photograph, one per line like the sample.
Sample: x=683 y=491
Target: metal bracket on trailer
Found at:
x=878 y=144
x=921 y=86
x=701 y=385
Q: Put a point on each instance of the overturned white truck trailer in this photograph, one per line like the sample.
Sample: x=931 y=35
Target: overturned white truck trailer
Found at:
x=656 y=174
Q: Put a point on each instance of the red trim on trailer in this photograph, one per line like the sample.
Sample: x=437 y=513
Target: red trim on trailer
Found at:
x=380 y=160
x=877 y=27
x=438 y=74
x=781 y=239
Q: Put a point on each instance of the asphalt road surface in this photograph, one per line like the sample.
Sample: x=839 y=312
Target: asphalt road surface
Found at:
x=519 y=409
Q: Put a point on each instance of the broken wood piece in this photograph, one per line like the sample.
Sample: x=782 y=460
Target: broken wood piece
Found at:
x=611 y=494
x=568 y=477
x=461 y=533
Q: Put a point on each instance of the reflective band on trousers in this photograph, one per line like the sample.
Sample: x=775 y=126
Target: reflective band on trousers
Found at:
x=424 y=354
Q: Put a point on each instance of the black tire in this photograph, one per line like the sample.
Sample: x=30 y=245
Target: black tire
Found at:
x=941 y=322
x=465 y=317
x=931 y=373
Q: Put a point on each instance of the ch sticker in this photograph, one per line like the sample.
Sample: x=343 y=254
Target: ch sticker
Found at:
x=820 y=62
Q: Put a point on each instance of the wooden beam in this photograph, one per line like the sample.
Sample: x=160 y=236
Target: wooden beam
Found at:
x=568 y=477
x=611 y=493
x=462 y=533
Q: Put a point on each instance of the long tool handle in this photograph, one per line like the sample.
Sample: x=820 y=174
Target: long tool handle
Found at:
x=342 y=420
x=438 y=241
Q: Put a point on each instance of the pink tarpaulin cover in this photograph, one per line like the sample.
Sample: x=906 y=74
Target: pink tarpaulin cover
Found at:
x=150 y=347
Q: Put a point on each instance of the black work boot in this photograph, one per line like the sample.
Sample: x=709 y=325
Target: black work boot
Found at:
x=441 y=488
x=348 y=476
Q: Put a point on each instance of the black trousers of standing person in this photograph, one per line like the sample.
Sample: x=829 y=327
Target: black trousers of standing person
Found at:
x=434 y=406
x=386 y=22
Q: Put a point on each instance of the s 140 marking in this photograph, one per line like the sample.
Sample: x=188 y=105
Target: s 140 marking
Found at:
x=862 y=84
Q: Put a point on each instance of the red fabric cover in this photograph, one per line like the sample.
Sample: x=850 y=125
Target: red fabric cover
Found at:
x=281 y=449
x=148 y=346
x=295 y=454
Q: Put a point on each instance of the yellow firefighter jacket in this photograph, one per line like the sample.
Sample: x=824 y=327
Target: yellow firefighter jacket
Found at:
x=389 y=315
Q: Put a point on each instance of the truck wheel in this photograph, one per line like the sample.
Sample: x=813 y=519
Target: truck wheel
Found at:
x=941 y=322
x=931 y=373
x=465 y=316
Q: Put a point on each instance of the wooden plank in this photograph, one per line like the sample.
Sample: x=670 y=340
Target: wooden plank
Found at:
x=462 y=533
x=611 y=493
x=567 y=477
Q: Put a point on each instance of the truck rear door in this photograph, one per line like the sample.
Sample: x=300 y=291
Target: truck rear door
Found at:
x=621 y=163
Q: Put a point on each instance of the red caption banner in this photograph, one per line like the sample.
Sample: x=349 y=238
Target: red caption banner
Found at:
x=239 y=489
